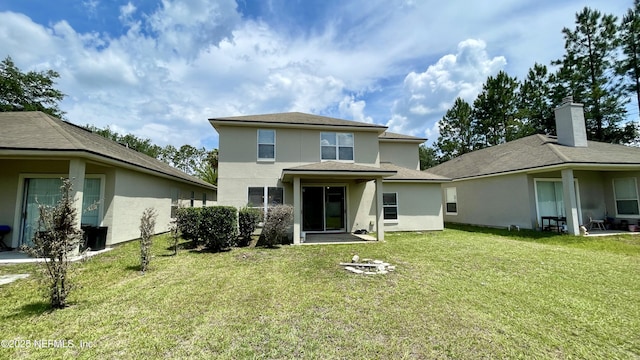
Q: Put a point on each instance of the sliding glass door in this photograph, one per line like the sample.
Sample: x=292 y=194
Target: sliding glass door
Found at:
x=323 y=208
x=46 y=192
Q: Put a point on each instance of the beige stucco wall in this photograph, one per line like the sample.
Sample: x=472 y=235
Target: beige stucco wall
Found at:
x=419 y=206
x=497 y=201
x=134 y=192
x=240 y=169
x=126 y=194
x=400 y=153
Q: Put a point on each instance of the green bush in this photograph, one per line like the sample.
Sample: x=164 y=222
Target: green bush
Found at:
x=248 y=219
x=218 y=226
x=276 y=224
x=188 y=222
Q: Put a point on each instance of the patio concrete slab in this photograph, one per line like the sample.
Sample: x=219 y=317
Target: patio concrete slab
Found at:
x=340 y=238
x=6 y=279
x=18 y=257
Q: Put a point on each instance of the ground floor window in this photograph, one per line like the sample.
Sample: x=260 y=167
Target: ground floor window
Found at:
x=390 y=206
x=451 y=200
x=626 y=194
x=265 y=196
x=175 y=193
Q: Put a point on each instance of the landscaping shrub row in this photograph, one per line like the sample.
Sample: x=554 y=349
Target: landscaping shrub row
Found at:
x=216 y=227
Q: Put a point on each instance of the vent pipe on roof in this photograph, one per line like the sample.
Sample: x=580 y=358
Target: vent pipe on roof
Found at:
x=570 y=125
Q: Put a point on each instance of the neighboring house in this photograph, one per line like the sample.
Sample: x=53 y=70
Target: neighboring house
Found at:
x=37 y=150
x=339 y=175
x=522 y=181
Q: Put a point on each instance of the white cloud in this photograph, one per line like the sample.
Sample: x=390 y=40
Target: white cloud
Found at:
x=166 y=70
x=349 y=108
x=427 y=95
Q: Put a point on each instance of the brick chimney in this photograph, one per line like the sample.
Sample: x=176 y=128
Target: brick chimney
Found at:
x=570 y=125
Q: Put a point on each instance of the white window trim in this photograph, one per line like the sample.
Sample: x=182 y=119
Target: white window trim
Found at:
x=397 y=206
x=615 y=199
x=337 y=146
x=445 y=200
x=576 y=184
x=17 y=224
x=261 y=159
x=265 y=196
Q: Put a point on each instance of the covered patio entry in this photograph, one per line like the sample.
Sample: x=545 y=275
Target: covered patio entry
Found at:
x=336 y=197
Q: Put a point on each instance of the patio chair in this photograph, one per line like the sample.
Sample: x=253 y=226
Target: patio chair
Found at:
x=599 y=224
x=4 y=230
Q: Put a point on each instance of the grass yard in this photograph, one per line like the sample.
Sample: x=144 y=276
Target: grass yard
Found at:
x=463 y=293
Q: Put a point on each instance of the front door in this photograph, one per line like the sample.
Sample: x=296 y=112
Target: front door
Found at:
x=323 y=208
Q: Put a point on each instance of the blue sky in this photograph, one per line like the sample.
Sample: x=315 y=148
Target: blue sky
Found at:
x=160 y=69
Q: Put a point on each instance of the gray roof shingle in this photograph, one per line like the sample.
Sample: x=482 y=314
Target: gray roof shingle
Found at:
x=405 y=174
x=387 y=135
x=535 y=151
x=296 y=118
x=35 y=131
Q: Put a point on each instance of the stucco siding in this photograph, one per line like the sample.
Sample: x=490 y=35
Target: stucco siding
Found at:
x=134 y=192
x=419 y=207
x=494 y=201
x=400 y=153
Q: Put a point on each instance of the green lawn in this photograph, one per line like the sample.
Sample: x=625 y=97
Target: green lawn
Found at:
x=462 y=293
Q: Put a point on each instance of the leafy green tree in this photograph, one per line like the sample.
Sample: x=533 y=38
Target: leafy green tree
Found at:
x=535 y=102
x=457 y=133
x=208 y=174
x=428 y=157
x=495 y=110
x=129 y=140
x=31 y=91
x=588 y=74
x=629 y=66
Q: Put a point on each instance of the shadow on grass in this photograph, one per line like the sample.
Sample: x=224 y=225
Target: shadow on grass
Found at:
x=542 y=237
x=133 y=268
x=32 y=309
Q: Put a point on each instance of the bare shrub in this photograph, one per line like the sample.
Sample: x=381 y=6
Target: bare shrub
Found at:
x=147 y=226
x=276 y=224
x=56 y=238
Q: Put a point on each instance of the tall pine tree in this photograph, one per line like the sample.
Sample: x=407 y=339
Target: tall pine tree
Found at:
x=535 y=104
x=457 y=135
x=629 y=66
x=495 y=110
x=587 y=72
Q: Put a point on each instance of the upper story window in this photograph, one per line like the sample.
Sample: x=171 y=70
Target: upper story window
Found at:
x=266 y=144
x=336 y=146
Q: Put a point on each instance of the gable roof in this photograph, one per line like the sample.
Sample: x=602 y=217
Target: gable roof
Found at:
x=35 y=131
x=294 y=119
x=537 y=152
x=389 y=136
x=409 y=175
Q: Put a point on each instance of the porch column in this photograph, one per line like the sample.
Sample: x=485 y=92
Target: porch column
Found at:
x=570 y=202
x=76 y=175
x=297 y=210
x=379 y=211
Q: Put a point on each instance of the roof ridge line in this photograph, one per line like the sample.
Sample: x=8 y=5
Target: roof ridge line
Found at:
x=63 y=132
x=555 y=150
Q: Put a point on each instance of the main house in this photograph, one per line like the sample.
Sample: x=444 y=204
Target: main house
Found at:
x=339 y=175
x=541 y=181
x=112 y=184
